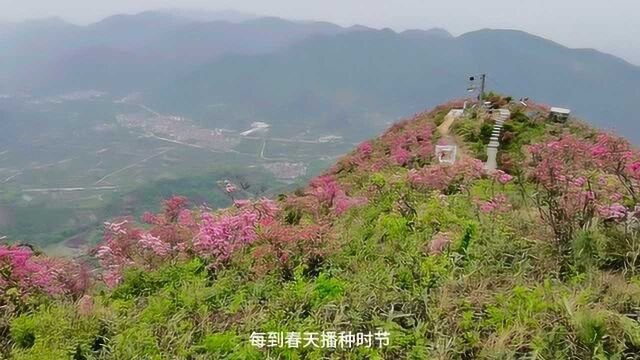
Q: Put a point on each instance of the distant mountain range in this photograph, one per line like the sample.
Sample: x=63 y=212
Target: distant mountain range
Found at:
x=132 y=52
x=303 y=76
x=351 y=80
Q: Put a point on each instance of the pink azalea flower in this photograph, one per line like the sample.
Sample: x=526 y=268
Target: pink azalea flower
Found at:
x=599 y=150
x=613 y=212
x=185 y=218
x=616 y=197
x=635 y=169
x=154 y=243
x=31 y=274
x=503 y=178
x=149 y=218
x=499 y=204
x=365 y=148
x=579 y=182
x=400 y=155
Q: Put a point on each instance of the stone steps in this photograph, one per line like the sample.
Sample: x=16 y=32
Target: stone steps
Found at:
x=492 y=149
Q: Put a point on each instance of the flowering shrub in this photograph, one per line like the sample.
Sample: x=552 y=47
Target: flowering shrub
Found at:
x=400 y=155
x=614 y=211
x=565 y=198
x=24 y=274
x=365 y=149
x=178 y=232
x=448 y=179
x=172 y=208
x=412 y=143
x=502 y=177
x=615 y=156
x=330 y=195
x=573 y=181
x=221 y=234
x=343 y=203
x=408 y=143
x=284 y=247
x=634 y=170
x=498 y=204
x=120 y=249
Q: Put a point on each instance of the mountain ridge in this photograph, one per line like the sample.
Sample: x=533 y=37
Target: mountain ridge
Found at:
x=397 y=69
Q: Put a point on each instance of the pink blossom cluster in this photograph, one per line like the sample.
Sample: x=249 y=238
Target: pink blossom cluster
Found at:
x=570 y=163
x=502 y=177
x=498 y=204
x=365 y=149
x=330 y=194
x=120 y=249
x=614 y=212
x=279 y=243
x=414 y=141
x=221 y=234
x=442 y=178
x=579 y=180
x=634 y=169
x=28 y=274
x=180 y=232
x=172 y=208
x=406 y=143
x=344 y=203
x=615 y=156
x=325 y=188
x=153 y=243
x=611 y=152
x=558 y=161
x=400 y=155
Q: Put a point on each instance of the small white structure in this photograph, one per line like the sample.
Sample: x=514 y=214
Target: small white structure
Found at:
x=256 y=127
x=446 y=154
x=559 y=114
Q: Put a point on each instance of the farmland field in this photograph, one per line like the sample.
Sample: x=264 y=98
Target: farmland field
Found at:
x=95 y=157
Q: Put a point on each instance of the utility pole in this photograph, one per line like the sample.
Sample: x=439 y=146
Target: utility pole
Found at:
x=481 y=95
x=474 y=87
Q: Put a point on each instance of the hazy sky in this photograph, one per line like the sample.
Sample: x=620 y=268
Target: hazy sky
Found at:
x=611 y=25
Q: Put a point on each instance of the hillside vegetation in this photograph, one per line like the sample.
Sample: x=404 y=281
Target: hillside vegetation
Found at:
x=537 y=260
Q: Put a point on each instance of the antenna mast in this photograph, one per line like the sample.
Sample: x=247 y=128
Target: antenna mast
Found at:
x=473 y=87
x=483 y=78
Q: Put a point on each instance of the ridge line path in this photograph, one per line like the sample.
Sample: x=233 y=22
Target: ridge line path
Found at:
x=443 y=129
x=451 y=116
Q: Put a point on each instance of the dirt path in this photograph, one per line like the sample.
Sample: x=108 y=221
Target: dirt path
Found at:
x=448 y=121
x=444 y=128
